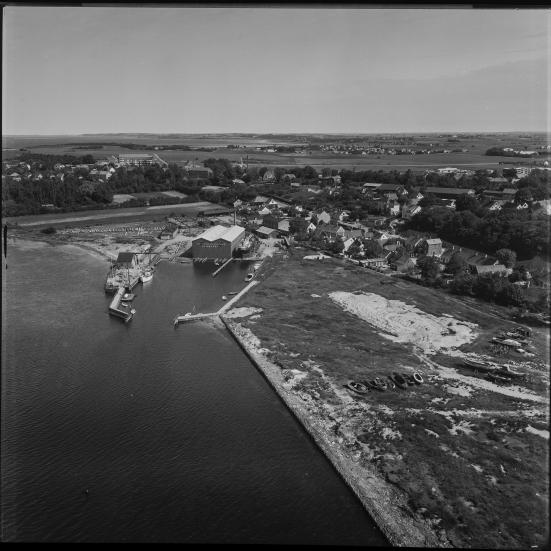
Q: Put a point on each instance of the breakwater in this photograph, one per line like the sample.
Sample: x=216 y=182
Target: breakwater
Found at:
x=375 y=495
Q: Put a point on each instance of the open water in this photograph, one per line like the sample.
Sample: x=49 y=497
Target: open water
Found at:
x=174 y=433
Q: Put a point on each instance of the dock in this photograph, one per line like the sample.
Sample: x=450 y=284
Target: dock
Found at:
x=114 y=307
x=224 y=308
x=215 y=273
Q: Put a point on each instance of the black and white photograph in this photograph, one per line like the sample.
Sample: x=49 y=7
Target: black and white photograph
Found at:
x=276 y=274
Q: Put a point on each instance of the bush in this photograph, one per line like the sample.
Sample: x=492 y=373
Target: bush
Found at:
x=49 y=230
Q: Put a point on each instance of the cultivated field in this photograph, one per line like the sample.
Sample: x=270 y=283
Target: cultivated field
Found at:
x=462 y=458
x=473 y=158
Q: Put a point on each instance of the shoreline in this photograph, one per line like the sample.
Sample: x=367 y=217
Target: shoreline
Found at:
x=381 y=502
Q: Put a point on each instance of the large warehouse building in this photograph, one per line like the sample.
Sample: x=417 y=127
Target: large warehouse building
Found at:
x=217 y=242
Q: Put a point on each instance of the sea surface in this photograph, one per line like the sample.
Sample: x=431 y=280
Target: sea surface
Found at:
x=171 y=430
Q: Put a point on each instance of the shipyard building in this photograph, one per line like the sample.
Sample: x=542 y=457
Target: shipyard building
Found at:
x=217 y=242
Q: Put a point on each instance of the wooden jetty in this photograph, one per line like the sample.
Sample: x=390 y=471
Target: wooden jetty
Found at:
x=224 y=308
x=215 y=273
x=114 y=307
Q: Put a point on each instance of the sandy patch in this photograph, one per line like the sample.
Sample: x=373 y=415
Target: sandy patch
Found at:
x=460 y=390
x=315 y=257
x=514 y=391
x=542 y=433
x=242 y=312
x=402 y=322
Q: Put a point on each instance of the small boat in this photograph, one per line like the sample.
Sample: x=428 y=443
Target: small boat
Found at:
x=378 y=384
x=224 y=297
x=417 y=378
x=146 y=276
x=127 y=297
x=479 y=365
x=249 y=277
x=399 y=380
x=497 y=378
x=357 y=387
x=508 y=372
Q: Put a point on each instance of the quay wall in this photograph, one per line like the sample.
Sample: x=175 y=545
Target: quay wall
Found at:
x=399 y=528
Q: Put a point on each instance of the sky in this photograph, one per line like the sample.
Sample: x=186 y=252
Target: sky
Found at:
x=183 y=69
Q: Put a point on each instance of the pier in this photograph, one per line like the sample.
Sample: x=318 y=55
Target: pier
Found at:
x=227 y=306
x=114 y=307
x=215 y=273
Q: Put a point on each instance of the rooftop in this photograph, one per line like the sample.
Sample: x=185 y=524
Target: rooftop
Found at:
x=221 y=232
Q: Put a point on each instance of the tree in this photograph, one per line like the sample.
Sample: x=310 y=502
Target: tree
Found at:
x=430 y=268
x=372 y=248
x=507 y=257
x=457 y=264
x=298 y=225
x=523 y=195
x=462 y=283
x=466 y=202
x=428 y=200
x=336 y=246
x=355 y=250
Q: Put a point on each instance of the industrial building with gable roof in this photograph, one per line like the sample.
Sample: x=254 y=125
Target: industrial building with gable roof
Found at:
x=217 y=242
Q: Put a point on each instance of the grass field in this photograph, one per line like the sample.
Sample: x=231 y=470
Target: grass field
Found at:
x=113 y=216
x=473 y=159
x=471 y=456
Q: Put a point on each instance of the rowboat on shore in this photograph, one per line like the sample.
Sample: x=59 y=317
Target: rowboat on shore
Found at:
x=479 y=365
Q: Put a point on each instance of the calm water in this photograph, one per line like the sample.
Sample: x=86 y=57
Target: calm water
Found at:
x=174 y=432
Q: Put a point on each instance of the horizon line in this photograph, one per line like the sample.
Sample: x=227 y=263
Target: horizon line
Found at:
x=280 y=133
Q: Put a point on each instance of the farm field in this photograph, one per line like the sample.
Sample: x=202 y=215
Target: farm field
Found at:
x=474 y=158
x=112 y=215
x=462 y=458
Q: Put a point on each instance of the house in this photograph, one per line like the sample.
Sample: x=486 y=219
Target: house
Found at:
x=522 y=206
x=269 y=177
x=430 y=247
x=169 y=232
x=264 y=211
x=314 y=189
x=410 y=210
x=126 y=260
x=385 y=189
x=370 y=187
x=199 y=173
x=311 y=228
x=523 y=171
x=497 y=205
x=449 y=192
x=374 y=262
x=479 y=269
x=329 y=232
x=270 y=221
x=324 y=217
x=283 y=227
x=498 y=180
x=237 y=181
x=265 y=232
x=403 y=264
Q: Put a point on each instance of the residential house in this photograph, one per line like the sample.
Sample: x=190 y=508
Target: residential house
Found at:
x=283 y=227
x=449 y=192
x=265 y=232
x=478 y=269
x=311 y=228
x=430 y=247
x=496 y=205
x=324 y=217
x=264 y=211
x=374 y=262
x=269 y=177
x=408 y=211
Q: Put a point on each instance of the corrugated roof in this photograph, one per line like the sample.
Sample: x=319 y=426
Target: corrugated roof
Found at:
x=221 y=232
x=434 y=241
x=264 y=229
